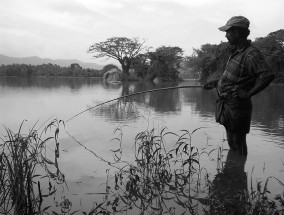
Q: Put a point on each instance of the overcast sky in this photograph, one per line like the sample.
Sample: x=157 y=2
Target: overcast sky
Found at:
x=64 y=29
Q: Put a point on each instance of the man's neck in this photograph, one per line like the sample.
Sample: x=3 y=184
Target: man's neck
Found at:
x=241 y=44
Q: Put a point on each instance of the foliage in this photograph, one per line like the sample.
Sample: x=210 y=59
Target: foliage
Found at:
x=162 y=181
x=164 y=63
x=210 y=60
x=21 y=157
x=141 y=65
x=272 y=46
x=23 y=70
x=158 y=182
x=108 y=67
x=122 y=49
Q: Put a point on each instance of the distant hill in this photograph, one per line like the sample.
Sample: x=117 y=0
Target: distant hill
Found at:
x=5 y=60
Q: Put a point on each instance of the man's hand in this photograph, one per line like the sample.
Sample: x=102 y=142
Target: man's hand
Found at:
x=210 y=85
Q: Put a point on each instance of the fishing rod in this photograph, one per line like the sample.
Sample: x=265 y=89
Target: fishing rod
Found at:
x=134 y=94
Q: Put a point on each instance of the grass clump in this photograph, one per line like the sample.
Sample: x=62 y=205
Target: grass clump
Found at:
x=159 y=181
x=173 y=181
x=24 y=164
x=166 y=176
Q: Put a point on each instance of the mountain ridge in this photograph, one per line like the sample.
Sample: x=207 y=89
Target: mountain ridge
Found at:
x=35 y=60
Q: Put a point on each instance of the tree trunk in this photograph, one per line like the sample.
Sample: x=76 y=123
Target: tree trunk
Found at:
x=125 y=69
x=125 y=64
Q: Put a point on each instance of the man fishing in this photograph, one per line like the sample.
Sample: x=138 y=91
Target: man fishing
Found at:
x=246 y=74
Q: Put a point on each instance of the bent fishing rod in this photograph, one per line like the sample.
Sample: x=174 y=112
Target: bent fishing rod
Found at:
x=134 y=94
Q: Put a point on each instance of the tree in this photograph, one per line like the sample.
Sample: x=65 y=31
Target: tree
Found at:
x=75 y=69
x=209 y=59
x=165 y=62
x=120 y=48
x=108 y=67
x=75 y=65
x=171 y=55
x=272 y=47
x=141 y=65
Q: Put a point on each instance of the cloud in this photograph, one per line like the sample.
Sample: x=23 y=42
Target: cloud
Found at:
x=66 y=28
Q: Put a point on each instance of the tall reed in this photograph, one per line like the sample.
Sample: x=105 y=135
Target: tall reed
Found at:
x=165 y=177
x=20 y=158
x=173 y=181
x=159 y=181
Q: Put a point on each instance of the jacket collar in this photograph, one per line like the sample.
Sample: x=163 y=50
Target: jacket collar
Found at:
x=236 y=51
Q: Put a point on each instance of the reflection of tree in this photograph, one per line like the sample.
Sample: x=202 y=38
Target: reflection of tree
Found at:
x=228 y=187
x=128 y=108
x=268 y=109
x=201 y=101
x=117 y=111
x=160 y=101
x=267 y=112
x=107 y=85
x=165 y=101
x=48 y=83
x=268 y=106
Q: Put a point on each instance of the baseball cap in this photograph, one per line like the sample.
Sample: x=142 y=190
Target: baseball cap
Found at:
x=237 y=21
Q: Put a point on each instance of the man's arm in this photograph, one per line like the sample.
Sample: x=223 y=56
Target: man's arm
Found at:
x=260 y=85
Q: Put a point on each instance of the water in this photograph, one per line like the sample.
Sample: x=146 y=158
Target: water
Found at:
x=40 y=100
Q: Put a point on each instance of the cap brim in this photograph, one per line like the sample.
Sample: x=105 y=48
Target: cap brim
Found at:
x=225 y=28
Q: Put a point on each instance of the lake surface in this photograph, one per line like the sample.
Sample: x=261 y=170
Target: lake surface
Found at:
x=40 y=100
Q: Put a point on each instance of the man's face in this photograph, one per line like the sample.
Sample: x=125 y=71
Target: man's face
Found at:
x=232 y=36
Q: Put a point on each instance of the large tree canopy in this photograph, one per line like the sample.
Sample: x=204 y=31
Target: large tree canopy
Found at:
x=209 y=59
x=272 y=46
x=165 y=63
x=122 y=49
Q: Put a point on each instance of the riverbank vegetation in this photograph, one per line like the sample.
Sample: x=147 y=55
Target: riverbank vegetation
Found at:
x=166 y=63
x=166 y=176
x=51 y=70
x=210 y=60
x=26 y=167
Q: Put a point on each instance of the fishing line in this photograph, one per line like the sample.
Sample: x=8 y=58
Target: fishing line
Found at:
x=133 y=94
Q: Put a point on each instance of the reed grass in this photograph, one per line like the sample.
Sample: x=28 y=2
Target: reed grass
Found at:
x=166 y=177
x=173 y=181
x=20 y=157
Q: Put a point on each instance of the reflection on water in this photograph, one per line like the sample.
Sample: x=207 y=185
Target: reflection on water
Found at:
x=269 y=110
x=125 y=109
x=229 y=185
x=48 y=82
x=41 y=98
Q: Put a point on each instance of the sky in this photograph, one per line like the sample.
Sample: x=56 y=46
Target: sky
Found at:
x=65 y=29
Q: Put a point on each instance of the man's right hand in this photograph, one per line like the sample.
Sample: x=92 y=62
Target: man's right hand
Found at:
x=210 y=85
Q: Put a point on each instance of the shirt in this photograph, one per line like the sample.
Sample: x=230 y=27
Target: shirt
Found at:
x=242 y=70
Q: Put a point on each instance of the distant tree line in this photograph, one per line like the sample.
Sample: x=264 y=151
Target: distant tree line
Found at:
x=210 y=60
x=164 y=63
x=52 y=70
